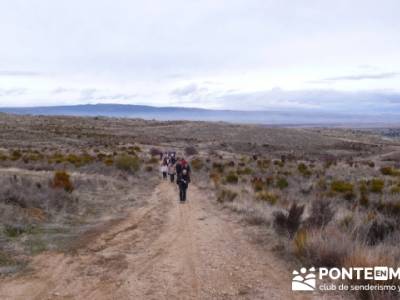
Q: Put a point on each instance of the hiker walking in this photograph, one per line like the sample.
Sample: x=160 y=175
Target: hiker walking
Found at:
x=171 y=171
x=183 y=178
x=164 y=170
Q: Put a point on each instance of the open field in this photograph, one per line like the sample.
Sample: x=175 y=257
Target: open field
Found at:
x=84 y=214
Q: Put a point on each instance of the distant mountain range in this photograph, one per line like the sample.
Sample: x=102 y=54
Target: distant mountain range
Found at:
x=295 y=117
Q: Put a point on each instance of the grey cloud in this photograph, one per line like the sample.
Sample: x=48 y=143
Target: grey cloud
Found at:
x=62 y=90
x=17 y=73
x=187 y=90
x=364 y=76
x=13 y=92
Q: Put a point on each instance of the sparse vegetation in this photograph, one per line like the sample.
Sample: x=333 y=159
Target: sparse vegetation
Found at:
x=269 y=197
x=341 y=186
x=128 y=163
x=189 y=151
x=376 y=185
x=197 y=164
x=282 y=183
x=226 y=195
x=232 y=177
x=304 y=170
x=62 y=180
x=289 y=221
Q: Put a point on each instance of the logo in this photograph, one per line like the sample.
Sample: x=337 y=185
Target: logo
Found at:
x=304 y=280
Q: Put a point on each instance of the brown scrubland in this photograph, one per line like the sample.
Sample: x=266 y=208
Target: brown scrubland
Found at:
x=296 y=197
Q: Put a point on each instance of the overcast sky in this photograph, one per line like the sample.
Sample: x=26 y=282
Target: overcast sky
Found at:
x=249 y=54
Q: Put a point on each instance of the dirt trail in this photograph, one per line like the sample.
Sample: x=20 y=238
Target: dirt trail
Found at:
x=163 y=250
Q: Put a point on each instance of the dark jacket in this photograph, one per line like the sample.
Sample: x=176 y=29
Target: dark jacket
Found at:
x=180 y=175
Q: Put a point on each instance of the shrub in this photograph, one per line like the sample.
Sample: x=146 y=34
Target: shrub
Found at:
x=6 y=259
x=376 y=185
x=218 y=167
x=282 y=183
x=378 y=231
x=232 y=177
x=155 y=152
x=395 y=189
x=149 y=169
x=289 y=221
x=62 y=180
x=268 y=197
x=16 y=154
x=341 y=186
x=263 y=164
x=108 y=161
x=245 y=171
x=325 y=248
x=364 y=201
x=321 y=213
x=226 y=196
x=17 y=230
x=189 y=151
x=390 y=171
x=197 y=164
x=303 y=169
x=79 y=161
x=279 y=163
x=127 y=163
x=215 y=177
x=258 y=184
x=3 y=157
x=153 y=160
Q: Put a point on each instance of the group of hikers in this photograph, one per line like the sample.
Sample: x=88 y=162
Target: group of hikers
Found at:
x=171 y=166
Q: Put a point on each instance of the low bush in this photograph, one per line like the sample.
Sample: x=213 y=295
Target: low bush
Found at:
x=282 y=183
x=279 y=163
x=304 y=170
x=108 y=161
x=390 y=171
x=289 y=221
x=153 y=160
x=378 y=231
x=341 y=186
x=395 y=189
x=218 y=167
x=269 y=197
x=258 y=184
x=15 y=155
x=155 y=152
x=226 y=195
x=263 y=163
x=189 y=151
x=62 y=180
x=321 y=213
x=364 y=200
x=79 y=160
x=17 y=230
x=244 y=171
x=232 y=178
x=376 y=185
x=326 y=247
x=197 y=164
x=127 y=163
x=215 y=177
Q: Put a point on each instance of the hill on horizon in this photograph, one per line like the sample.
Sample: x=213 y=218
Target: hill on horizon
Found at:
x=273 y=117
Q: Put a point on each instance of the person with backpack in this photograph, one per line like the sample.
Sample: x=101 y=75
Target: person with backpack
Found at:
x=164 y=170
x=171 y=171
x=183 y=178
